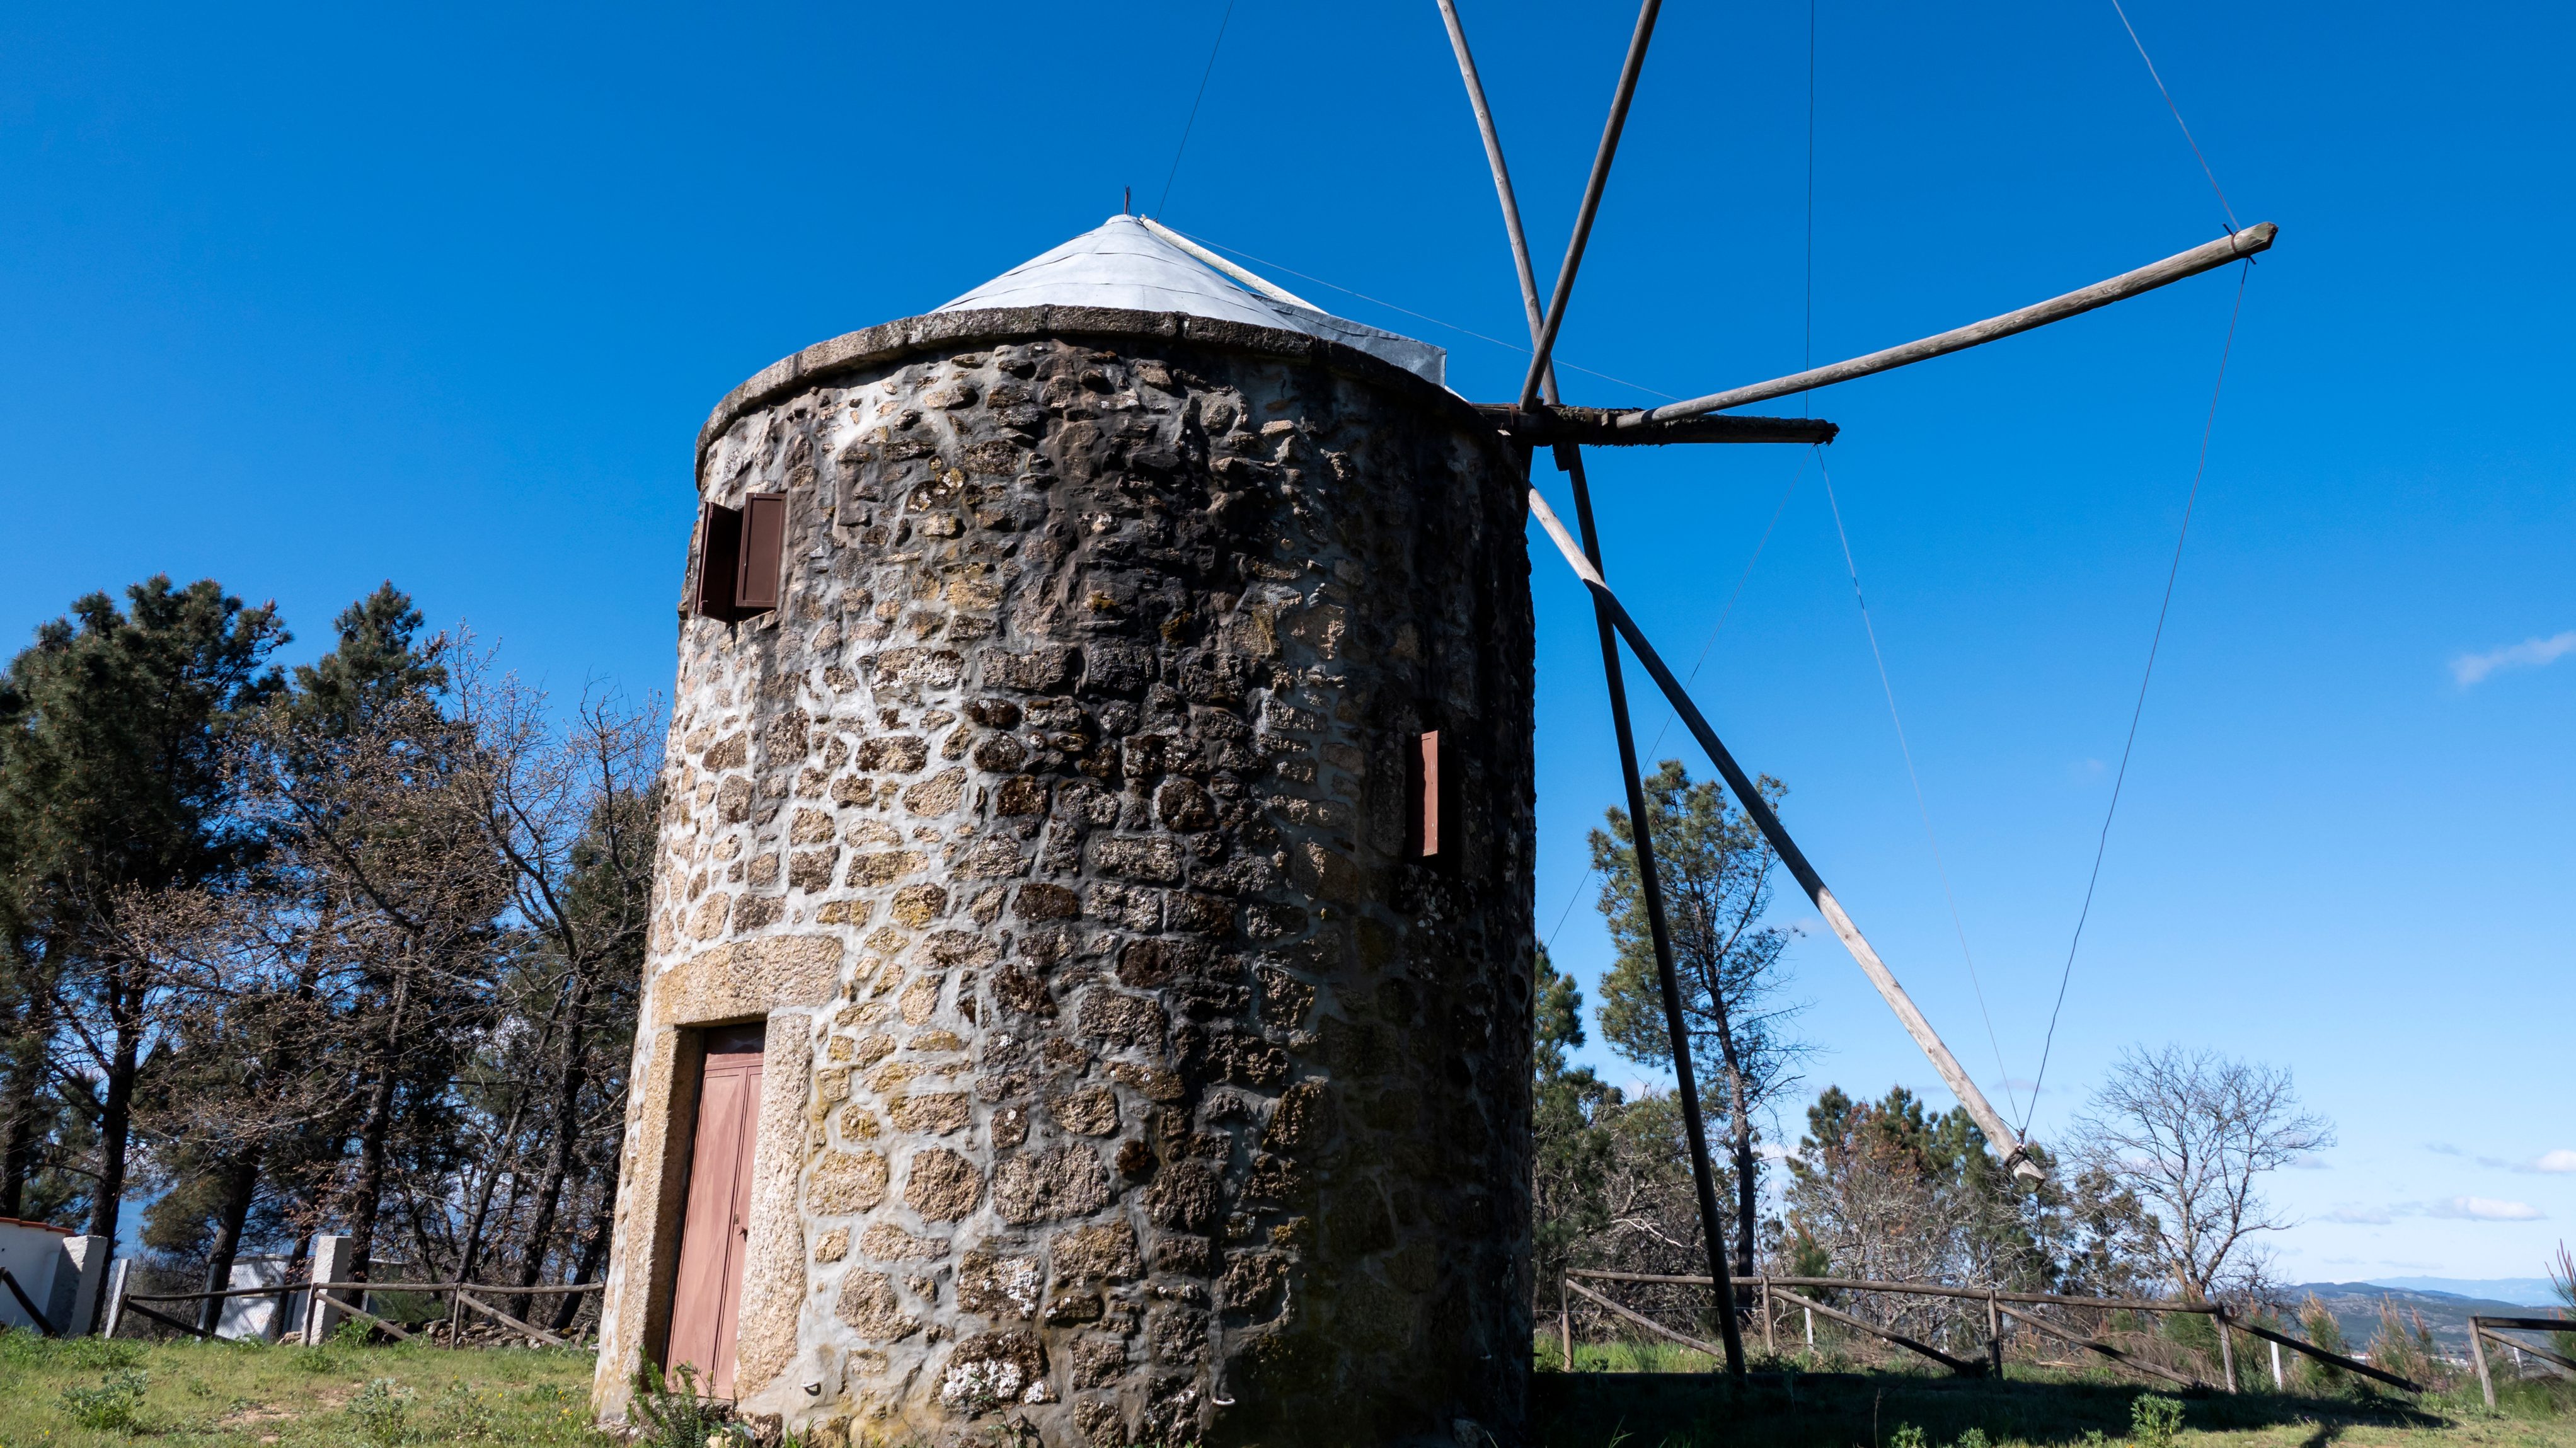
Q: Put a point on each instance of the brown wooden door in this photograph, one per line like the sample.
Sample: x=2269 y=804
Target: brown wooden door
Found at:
x=707 y=1294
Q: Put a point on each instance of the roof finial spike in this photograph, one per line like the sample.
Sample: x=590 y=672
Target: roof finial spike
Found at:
x=1126 y=200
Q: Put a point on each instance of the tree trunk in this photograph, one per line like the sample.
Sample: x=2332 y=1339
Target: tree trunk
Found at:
x=1742 y=1113
x=116 y=1113
x=593 y=1251
x=23 y=1131
x=241 y=1184
x=366 y=1192
x=567 y=1104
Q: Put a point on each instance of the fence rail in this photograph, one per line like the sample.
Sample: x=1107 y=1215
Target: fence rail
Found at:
x=2484 y=1329
x=122 y=1301
x=1994 y=1298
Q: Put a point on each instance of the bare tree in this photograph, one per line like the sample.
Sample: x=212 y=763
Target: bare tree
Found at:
x=571 y=809
x=2192 y=1134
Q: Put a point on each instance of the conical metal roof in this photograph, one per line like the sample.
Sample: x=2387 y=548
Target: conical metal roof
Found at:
x=1120 y=263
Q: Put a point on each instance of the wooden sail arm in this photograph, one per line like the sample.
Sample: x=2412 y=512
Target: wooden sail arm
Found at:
x=2252 y=239
x=1961 y=1085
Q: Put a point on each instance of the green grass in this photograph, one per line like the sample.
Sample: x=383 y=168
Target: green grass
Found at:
x=1605 y=1405
x=87 y=1393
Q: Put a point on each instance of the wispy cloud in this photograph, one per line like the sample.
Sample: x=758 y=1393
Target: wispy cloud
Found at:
x=2561 y=1160
x=2529 y=654
x=2443 y=1148
x=2486 y=1209
x=2373 y=1216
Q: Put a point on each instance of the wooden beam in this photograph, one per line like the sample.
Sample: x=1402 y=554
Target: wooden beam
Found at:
x=2527 y=1324
x=167 y=1321
x=2253 y=239
x=530 y=1328
x=1925 y=1038
x=1650 y=889
x=1258 y=283
x=1927 y=1289
x=2565 y=1366
x=2338 y=1359
x=1599 y=427
x=1493 y=140
x=362 y=1312
x=27 y=1304
x=1592 y=188
x=1961 y=1366
x=2105 y=1349
x=1648 y=1323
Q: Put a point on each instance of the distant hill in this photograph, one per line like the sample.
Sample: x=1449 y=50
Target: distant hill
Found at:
x=2356 y=1305
x=2528 y=1291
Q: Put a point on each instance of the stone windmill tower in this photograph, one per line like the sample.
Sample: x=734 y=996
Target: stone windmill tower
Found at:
x=1089 y=988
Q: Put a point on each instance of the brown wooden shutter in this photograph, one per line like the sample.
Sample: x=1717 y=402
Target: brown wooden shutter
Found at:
x=764 y=548
x=719 y=561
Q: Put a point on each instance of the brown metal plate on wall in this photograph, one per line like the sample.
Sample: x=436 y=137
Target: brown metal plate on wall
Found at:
x=1431 y=830
x=764 y=548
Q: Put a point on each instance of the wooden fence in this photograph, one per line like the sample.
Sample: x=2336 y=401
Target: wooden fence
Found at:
x=460 y=1294
x=2020 y=1307
x=2483 y=1330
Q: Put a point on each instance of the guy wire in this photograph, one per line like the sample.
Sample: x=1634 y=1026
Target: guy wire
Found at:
x=2172 y=571
x=1186 y=126
x=1939 y=865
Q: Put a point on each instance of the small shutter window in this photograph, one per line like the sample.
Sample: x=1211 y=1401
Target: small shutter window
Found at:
x=764 y=545
x=719 y=560
x=741 y=553
x=1431 y=823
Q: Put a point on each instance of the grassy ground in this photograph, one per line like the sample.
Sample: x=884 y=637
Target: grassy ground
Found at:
x=92 y=1394
x=1610 y=1403
x=86 y=1393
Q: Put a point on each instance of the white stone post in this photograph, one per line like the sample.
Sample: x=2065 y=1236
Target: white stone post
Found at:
x=332 y=1258
x=119 y=1273
x=73 y=1302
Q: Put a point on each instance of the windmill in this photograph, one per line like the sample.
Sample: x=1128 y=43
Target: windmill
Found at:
x=1538 y=417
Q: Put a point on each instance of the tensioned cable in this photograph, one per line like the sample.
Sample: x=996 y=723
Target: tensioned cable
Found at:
x=1939 y=865
x=2230 y=211
x=1222 y=22
x=1553 y=360
x=1723 y=614
x=2155 y=642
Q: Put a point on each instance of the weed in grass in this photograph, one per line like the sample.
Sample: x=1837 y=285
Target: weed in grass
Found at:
x=382 y=1410
x=1973 y=1438
x=1907 y=1436
x=2153 y=1420
x=672 y=1413
x=115 y=1405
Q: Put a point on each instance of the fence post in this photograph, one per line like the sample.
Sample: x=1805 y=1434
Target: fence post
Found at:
x=2226 y=1349
x=1770 y=1343
x=1811 y=1330
x=2478 y=1347
x=117 y=1273
x=1565 y=1323
x=332 y=1257
x=1994 y=1335
x=2279 y=1384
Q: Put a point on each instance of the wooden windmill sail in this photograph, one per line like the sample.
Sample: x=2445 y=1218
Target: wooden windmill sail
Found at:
x=1538 y=418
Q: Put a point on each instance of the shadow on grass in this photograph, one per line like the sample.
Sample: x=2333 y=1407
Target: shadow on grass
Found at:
x=1841 y=1410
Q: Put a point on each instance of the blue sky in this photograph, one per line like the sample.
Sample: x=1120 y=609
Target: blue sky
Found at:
x=309 y=298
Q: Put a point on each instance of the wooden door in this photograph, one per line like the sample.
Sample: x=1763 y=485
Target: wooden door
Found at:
x=707 y=1293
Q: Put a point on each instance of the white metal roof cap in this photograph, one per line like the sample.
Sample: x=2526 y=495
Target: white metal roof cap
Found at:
x=1121 y=264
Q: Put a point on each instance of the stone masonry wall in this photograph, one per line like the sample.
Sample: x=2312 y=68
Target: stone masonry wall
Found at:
x=1127 y=1082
